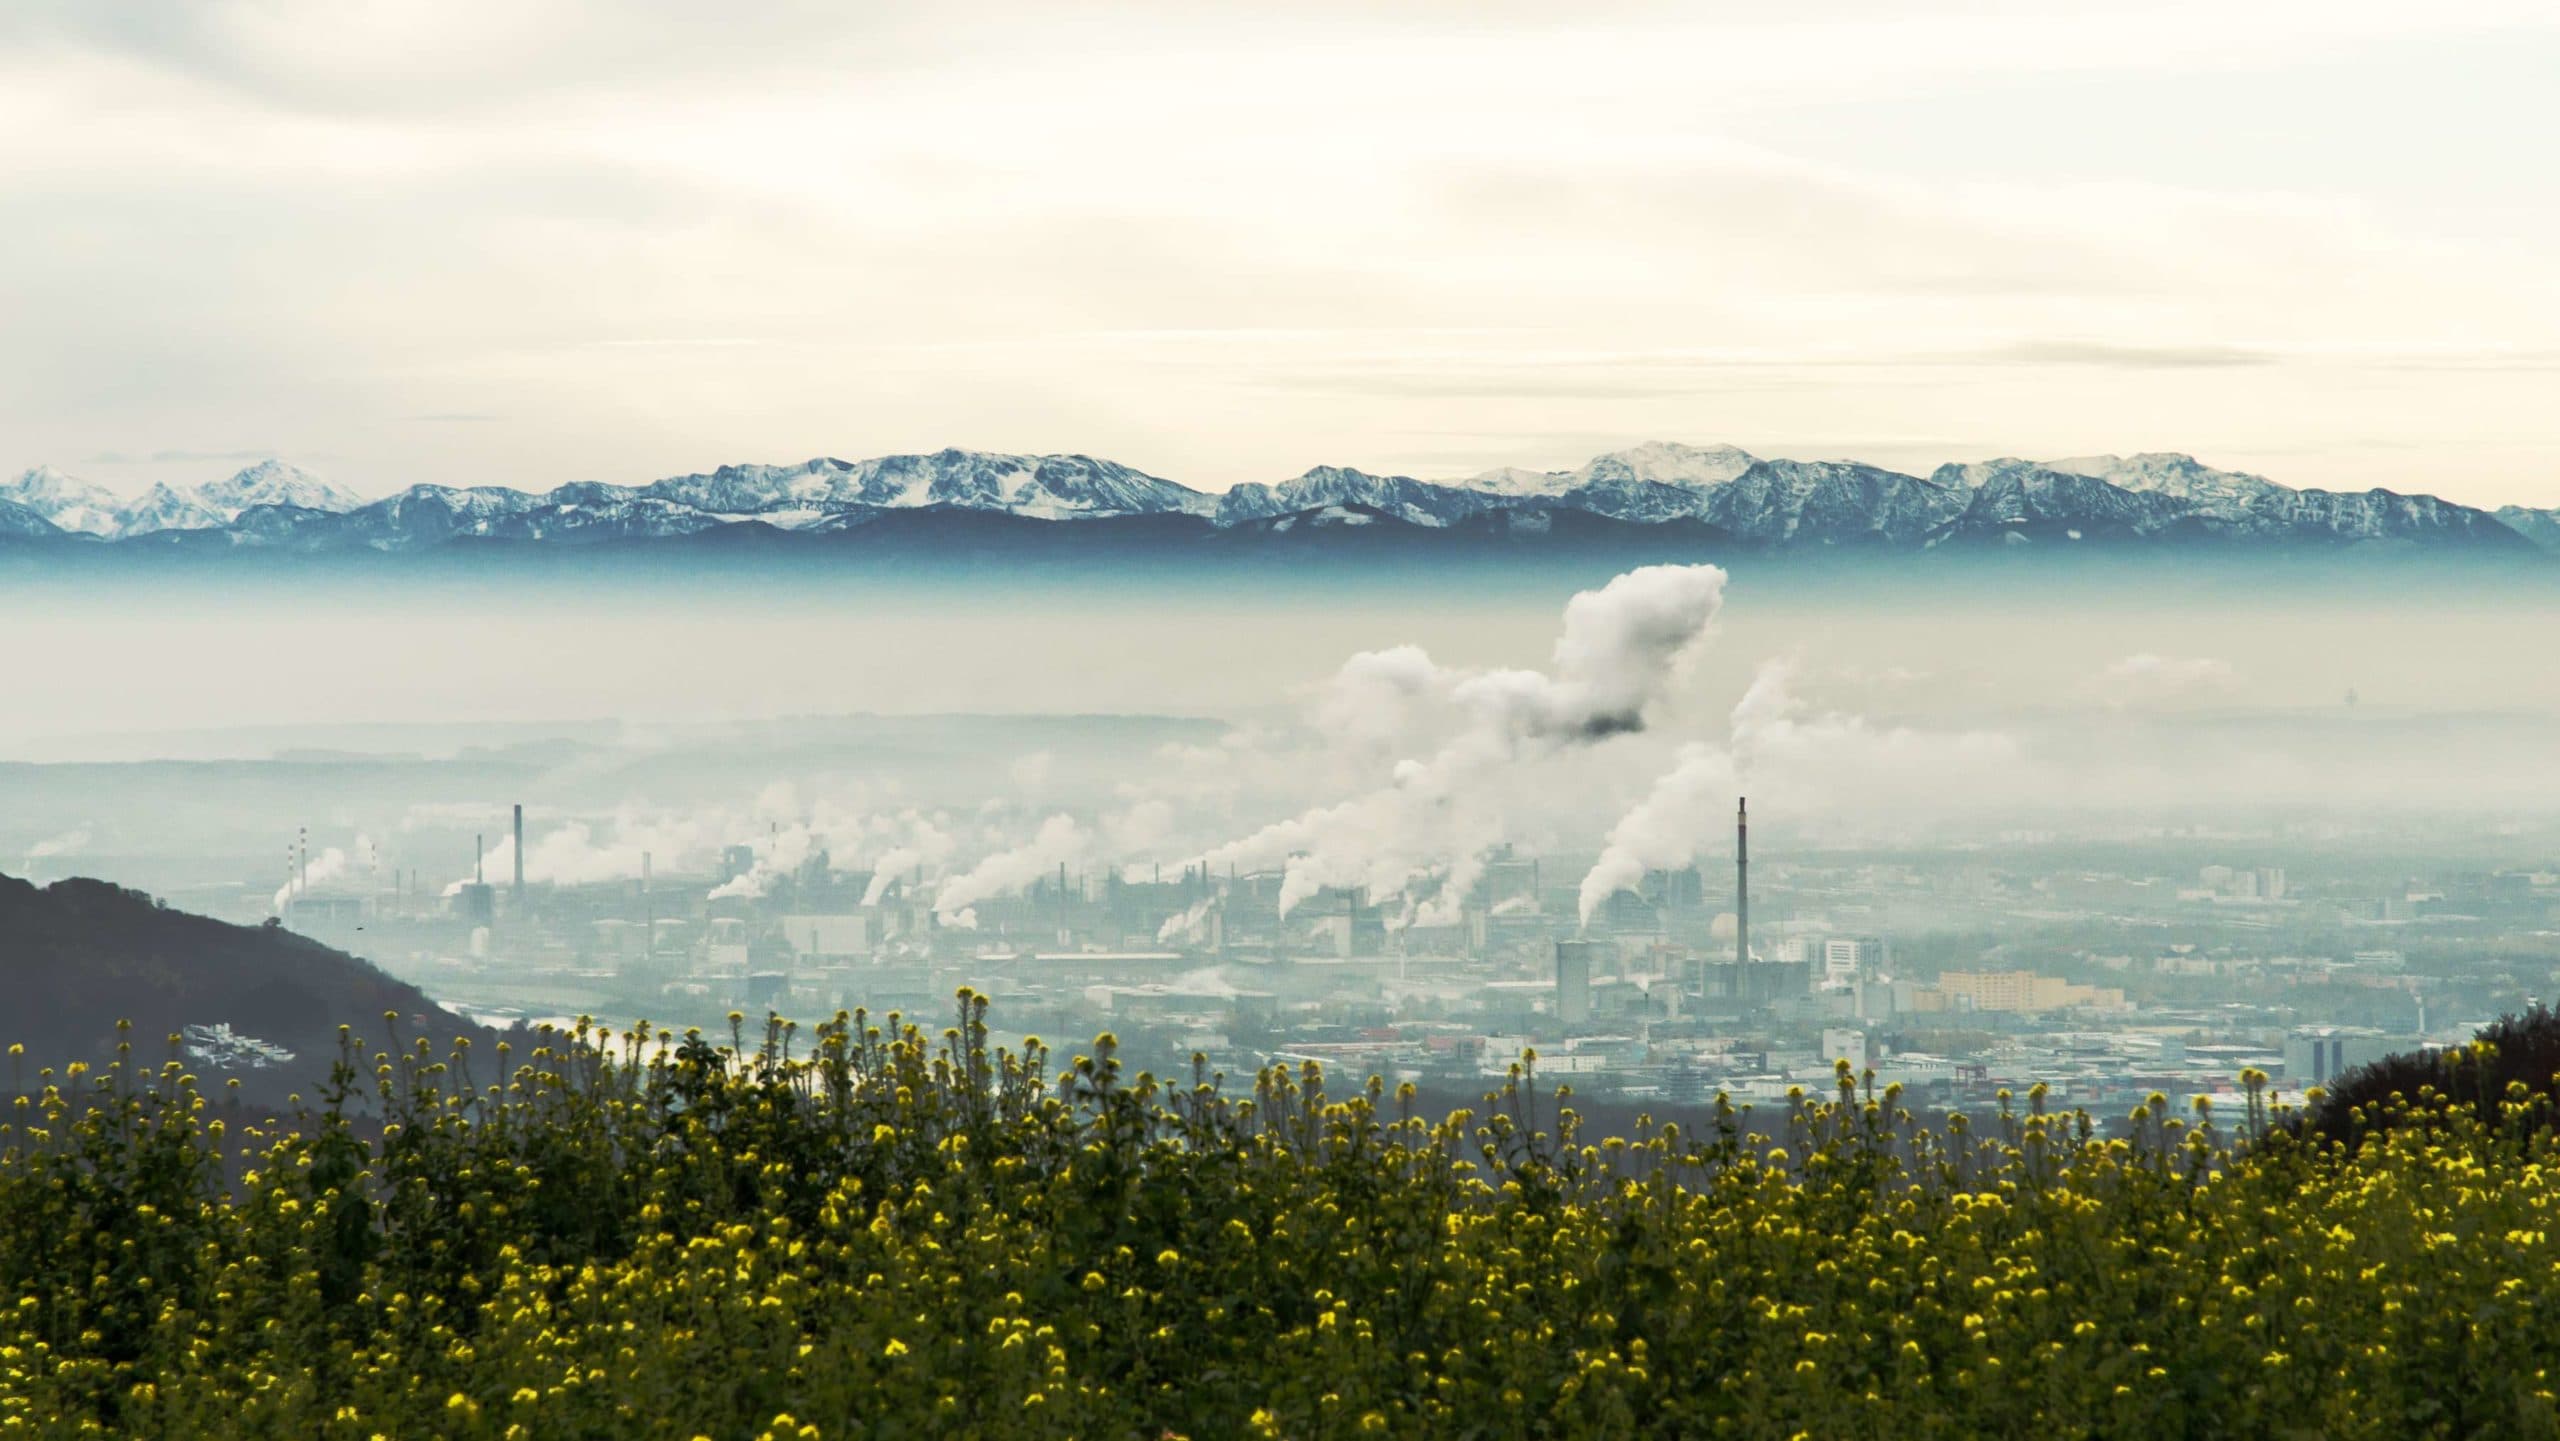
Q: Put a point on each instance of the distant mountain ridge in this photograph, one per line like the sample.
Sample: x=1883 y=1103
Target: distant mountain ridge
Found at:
x=1717 y=493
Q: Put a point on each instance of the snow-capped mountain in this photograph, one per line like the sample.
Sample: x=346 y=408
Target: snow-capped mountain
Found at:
x=425 y=515
x=1417 y=502
x=2542 y=527
x=165 y=507
x=65 y=501
x=25 y=522
x=1664 y=462
x=1716 y=498
x=2182 y=477
x=1657 y=481
x=76 y=505
x=1047 y=487
x=274 y=482
x=2235 y=503
x=1654 y=463
x=2011 y=499
x=1832 y=502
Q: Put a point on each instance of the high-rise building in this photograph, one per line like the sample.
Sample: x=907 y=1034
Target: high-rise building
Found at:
x=2319 y=1055
x=1573 y=982
x=1846 y=958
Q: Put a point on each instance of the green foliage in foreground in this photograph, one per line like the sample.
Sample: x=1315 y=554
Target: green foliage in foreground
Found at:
x=869 y=1232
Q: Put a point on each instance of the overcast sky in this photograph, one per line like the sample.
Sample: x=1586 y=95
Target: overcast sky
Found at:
x=534 y=241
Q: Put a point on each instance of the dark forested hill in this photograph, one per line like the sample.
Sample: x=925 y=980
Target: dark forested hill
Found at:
x=78 y=956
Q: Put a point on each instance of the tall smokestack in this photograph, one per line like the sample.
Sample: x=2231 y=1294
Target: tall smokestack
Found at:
x=519 y=856
x=1742 y=879
x=648 y=911
x=479 y=855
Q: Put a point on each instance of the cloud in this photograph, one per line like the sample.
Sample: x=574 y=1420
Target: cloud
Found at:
x=2138 y=357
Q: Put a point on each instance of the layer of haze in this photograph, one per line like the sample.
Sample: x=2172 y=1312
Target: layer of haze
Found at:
x=114 y=671
x=548 y=240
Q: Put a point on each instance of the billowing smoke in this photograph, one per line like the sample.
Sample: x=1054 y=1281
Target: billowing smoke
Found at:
x=1667 y=827
x=1430 y=826
x=924 y=845
x=1061 y=840
x=778 y=853
x=69 y=843
x=326 y=866
x=1812 y=760
x=1190 y=928
x=1208 y=981
x=575 y=853
x=1801 y=761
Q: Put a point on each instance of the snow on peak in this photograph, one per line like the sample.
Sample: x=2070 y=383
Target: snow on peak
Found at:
x=165 y=507
x=1666 y=462
x=274 y=482
x=1656 y=462
x=2169 y=472
x=1052 y=487
x=66 y=501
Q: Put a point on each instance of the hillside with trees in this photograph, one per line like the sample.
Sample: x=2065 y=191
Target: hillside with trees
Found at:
x=79 y=957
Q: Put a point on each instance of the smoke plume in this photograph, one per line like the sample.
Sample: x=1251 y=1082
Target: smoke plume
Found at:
x=1801 y=761
x=1423 y=834
x=1059 y=841
x=1666 y=828
x=69 y=843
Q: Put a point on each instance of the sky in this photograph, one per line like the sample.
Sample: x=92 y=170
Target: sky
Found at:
x=538 y=241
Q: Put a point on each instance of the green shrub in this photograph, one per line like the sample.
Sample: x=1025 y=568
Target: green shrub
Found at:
x=871 y=1231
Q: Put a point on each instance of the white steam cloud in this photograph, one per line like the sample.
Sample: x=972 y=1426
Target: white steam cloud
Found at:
x=924 y=845
x=1800 y=761
x=1667 y=827
x=69 y=843
x=1061 y=840
x=1424 y=834
x=1191 y=927
x=326 y=866
x=778 y=853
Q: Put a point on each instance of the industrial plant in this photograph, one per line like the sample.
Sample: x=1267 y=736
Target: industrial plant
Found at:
x=1659 y=997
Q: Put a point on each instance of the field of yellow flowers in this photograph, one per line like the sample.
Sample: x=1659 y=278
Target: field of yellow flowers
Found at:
x=874 y=1231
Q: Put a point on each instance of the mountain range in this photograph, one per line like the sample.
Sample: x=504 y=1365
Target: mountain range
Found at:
x=1712 y=495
